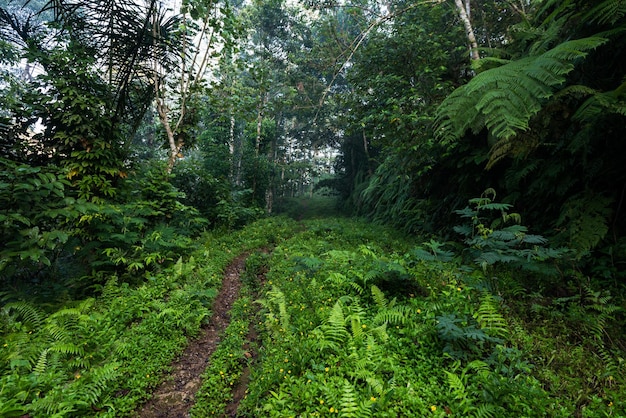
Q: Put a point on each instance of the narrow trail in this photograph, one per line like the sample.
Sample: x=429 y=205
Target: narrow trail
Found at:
x=175 y=397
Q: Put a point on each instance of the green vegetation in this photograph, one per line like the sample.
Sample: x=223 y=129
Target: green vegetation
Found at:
x=103 y=355
x=431 y=195
x=352 y=318
x=361 y=322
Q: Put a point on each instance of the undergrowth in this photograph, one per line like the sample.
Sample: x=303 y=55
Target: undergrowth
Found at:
x=102 y=356
x=361 y=322
x=353 y=320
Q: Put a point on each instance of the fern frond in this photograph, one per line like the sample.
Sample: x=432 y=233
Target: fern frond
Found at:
x=379 y=297
x=609 y=11
x=608 y=360
x=57 y=332
x=110 y=290
x=277 y=297
x=42 y=362
x=376 y=385
x=478 y=366
x=334 y=327
x=487 y=411
x=67 y=348
x=601 y=104
x=337 y=279
x=356 y=327
x=28 y=313
x=585 y=218
x=348 y=404
x=489 y=318
x=397 y=315
x=456 y=385
x=101 y=376
x=365 y=410
x=356 y=287
x=380 y=332
x=503 y=99
x=577 y=91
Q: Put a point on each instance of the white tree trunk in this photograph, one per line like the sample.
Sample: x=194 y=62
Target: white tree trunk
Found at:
x=175 y=145
x=464 y=14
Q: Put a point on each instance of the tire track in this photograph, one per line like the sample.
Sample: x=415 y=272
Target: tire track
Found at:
x=175 y=397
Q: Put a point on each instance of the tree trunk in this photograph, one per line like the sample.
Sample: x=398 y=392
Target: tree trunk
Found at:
x=464 y=14
x=367 y=155
x=259 y=125
x=174 y=144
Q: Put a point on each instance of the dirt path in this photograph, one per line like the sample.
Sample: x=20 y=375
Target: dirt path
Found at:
x=174 y=398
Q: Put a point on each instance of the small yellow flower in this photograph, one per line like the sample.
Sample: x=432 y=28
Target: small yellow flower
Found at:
x=332 y=409
x=147 y=375
x=458 y=288
x=610 y=404
x=419 y=311
x=321 y=401
x=326 y=369
x=373 y=399
x=433 y=408
x=77 y=376
x=286 y=360
x=363 y=326
x=281 y=370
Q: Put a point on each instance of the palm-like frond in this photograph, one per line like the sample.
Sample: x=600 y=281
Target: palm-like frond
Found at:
x=609 y=11
x=126 y=38
x=504 y=99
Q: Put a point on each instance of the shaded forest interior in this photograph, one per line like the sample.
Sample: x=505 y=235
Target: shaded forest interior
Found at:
x=459 y=158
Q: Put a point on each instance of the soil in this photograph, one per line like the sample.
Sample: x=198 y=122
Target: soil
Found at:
x=175 y=397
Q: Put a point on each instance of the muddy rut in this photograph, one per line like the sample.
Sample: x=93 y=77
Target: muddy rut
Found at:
x=175 y=397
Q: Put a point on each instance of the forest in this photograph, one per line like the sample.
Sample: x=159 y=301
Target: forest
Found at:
x=312 y=208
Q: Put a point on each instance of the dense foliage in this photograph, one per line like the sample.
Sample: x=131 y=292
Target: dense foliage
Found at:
x=141 y=143
x=351 y=318
x=538 y=118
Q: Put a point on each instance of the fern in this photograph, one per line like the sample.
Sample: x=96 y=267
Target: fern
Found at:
x=601 y=104
x=348 y=405
x=42 y=362
x=585 y=219
x=29 y=314
x=487 y=411
x=277 y=298
x=456 y=385
x=489 y=318
x=609 y=11
x=379 y=297
x=503 y=99
x=98 y=380
x=334 y=328
x=396 y=315
x=356 y=328
x=81 y=394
